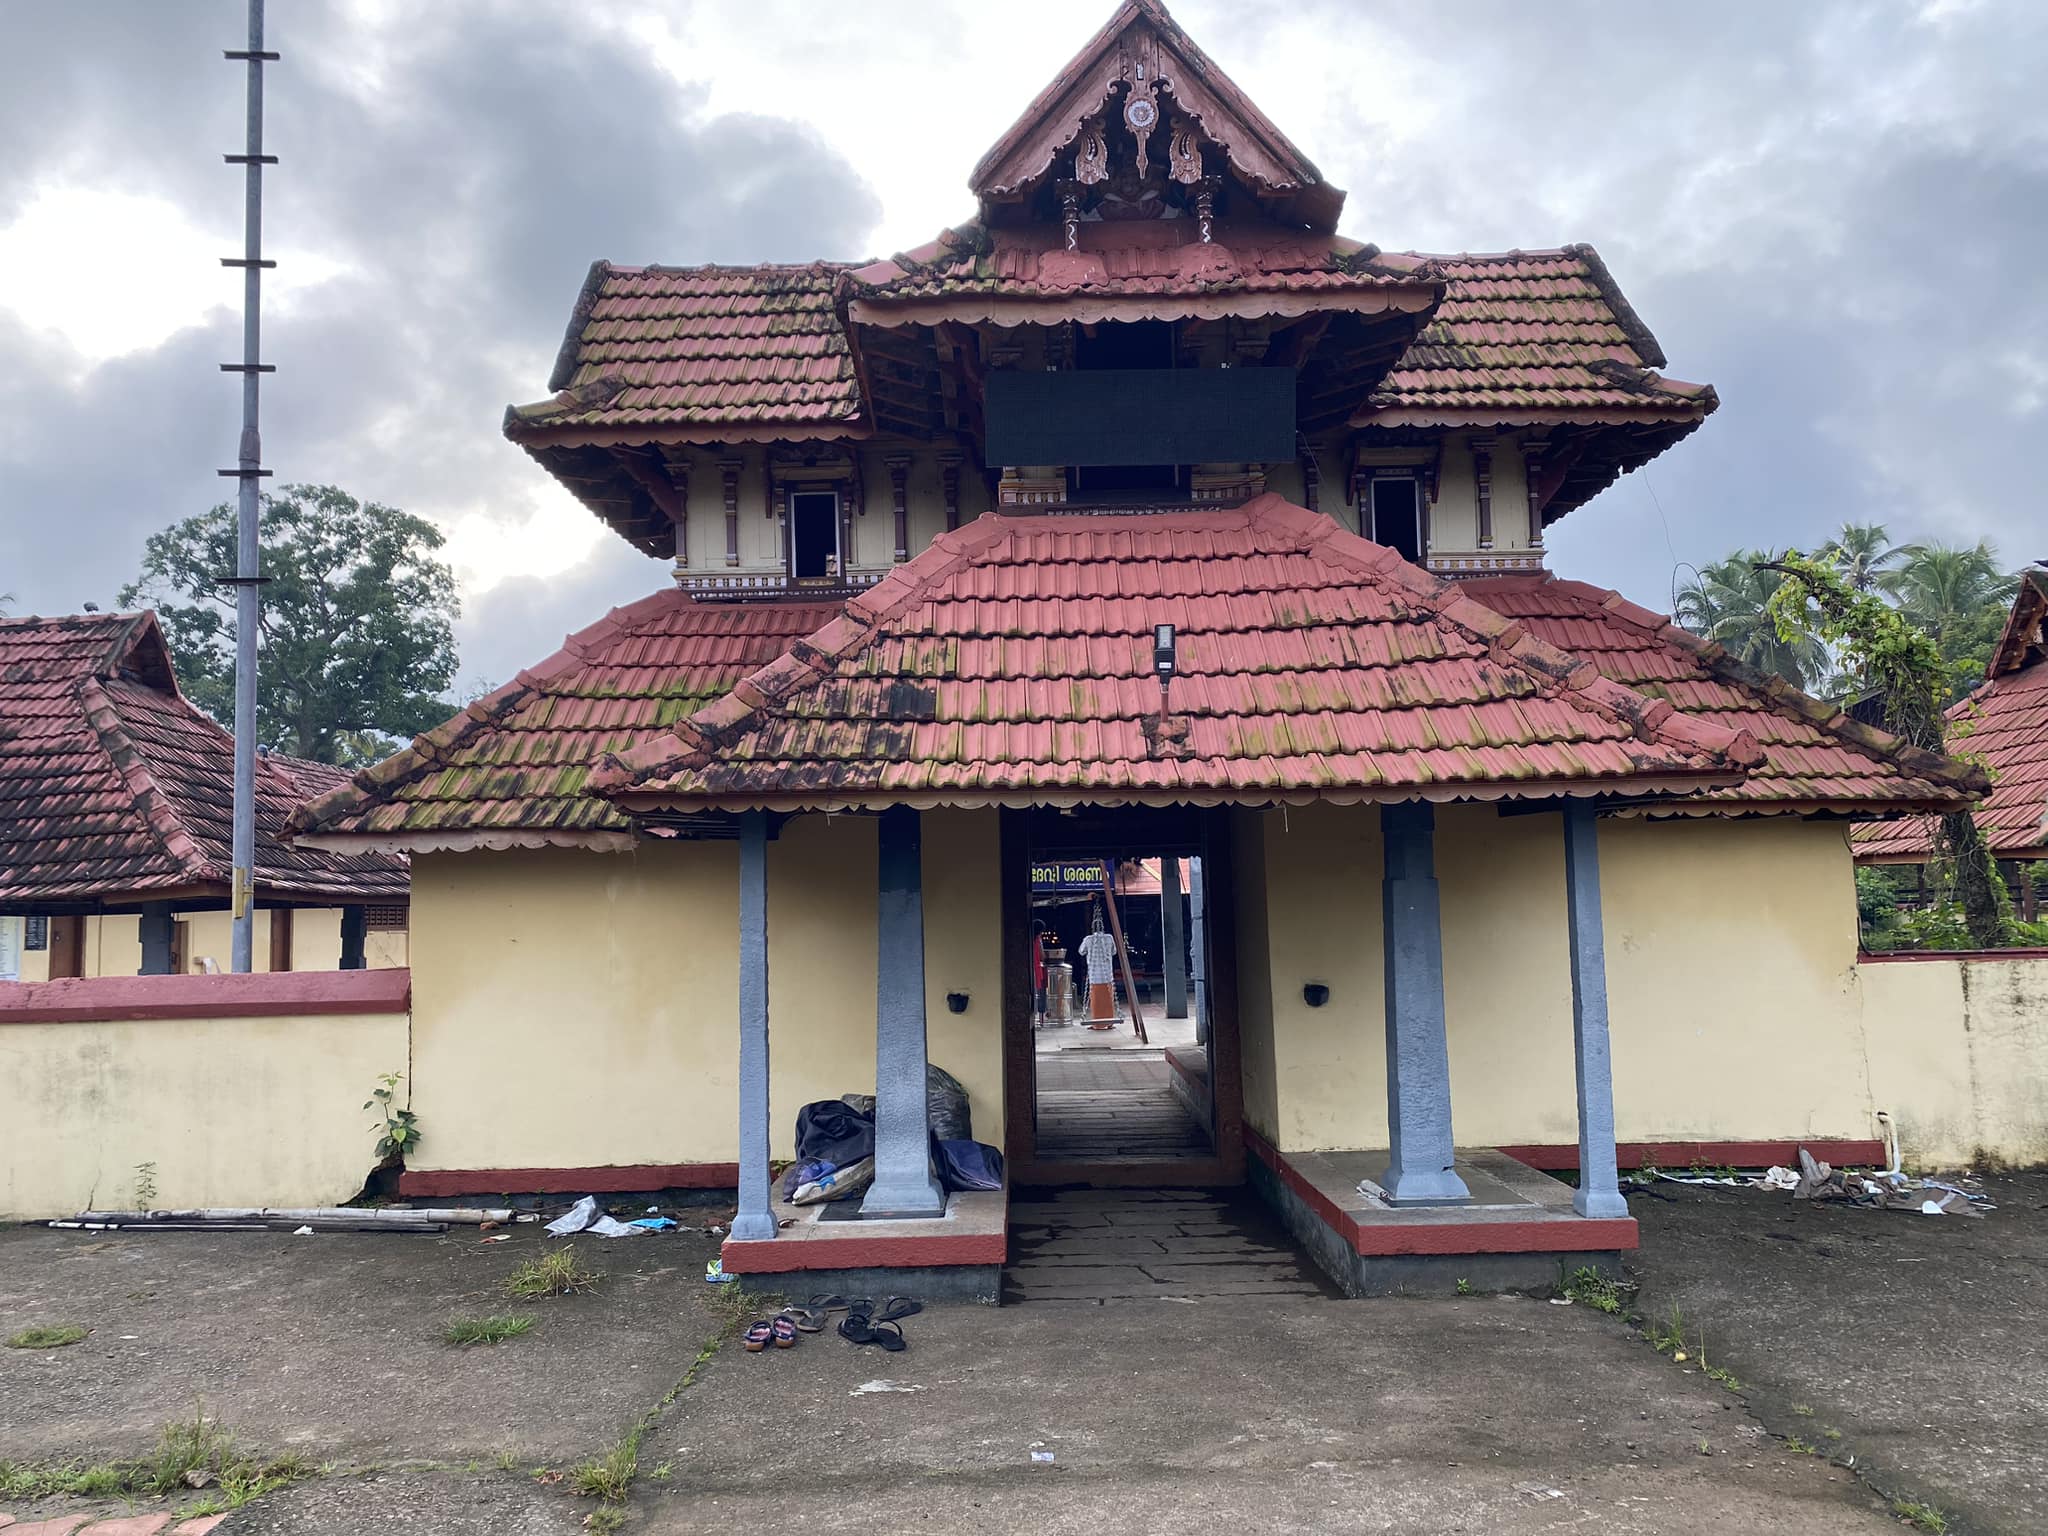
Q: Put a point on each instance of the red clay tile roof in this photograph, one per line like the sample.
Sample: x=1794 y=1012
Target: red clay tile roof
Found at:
x=1816 y=758
x=1145 y=270
x=1526 y=336
x=2003 y=724
x=114 y=789
x=704 y=347
x=1012 y=663
x=509 y=770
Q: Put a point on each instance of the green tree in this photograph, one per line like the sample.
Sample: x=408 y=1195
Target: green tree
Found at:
x=1898 y=661
x=357 y=647
x=1865 y=557
x=1728 y=602
x=1959 y=596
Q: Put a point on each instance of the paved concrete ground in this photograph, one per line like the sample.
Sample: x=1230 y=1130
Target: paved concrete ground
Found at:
x=1921 y=1339
x=1275 y=1414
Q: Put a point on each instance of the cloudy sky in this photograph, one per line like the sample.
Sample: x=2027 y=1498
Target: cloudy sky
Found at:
x=1836 y=213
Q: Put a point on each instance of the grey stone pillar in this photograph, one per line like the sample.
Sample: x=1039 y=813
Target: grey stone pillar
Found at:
x=755 y=1217
x=903 y=1185
x=157 y=928
x=1599 y=1191
x=1420 y=1171
x=1198 y=928
x=355 y=927
x=1173 y=941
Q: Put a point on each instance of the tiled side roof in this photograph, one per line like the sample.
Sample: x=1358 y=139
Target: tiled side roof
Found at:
x=710 y=346
x=112 y=786
x=509 y=770
x=2003 y=724
x=1816 y=758
x=1012 y=663
x=1530 y=332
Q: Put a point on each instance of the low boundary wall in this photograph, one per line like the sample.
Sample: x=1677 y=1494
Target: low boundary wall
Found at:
x=240 y=1090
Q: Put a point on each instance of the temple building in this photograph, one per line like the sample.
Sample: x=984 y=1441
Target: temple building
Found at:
x=1140 y=520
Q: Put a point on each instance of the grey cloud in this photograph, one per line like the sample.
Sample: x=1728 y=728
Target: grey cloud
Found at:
x=506 y=148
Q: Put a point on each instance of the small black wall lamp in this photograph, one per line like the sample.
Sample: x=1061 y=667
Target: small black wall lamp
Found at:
x=956 y=1002
x=1315 y=994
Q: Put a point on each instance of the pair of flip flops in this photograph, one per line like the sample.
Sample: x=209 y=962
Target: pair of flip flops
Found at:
x=865 y=1324
x=781 y=1330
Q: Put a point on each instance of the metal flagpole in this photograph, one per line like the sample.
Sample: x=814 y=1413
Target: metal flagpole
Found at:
x=247 y=471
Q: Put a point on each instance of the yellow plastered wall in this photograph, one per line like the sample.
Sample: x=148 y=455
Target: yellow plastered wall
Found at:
x=1322 y=869
x=1731 y=979
x=88 y=1102
x=1507 y=977
x=1733 y=999
x=1959 y=1056
x=577 y=1009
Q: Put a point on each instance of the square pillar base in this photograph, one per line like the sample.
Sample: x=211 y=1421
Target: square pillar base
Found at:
x=1427 y=1186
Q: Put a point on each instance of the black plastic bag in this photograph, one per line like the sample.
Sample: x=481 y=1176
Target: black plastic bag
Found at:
x=833 y=1132
x=968 y=1164
x=945 y=1103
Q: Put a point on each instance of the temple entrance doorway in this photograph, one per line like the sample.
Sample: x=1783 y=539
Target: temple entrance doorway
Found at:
x=1121 y=1063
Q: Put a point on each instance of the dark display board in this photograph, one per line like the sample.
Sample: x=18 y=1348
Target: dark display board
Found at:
x=1141 y=416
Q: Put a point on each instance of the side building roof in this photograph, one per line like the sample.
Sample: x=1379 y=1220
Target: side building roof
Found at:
x=2003 y=724
x=115 y=789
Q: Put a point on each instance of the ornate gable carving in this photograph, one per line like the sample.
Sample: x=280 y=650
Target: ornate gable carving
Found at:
x=1141 y=82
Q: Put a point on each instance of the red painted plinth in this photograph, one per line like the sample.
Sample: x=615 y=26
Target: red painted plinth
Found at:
x=110 y=999
x=785 y=1255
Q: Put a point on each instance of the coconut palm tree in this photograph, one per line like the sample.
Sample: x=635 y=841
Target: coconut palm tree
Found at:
x=1957 y=593
x=1726 y=602
x=1866 y=557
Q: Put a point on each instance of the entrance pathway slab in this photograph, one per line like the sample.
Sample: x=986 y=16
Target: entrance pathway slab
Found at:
x=1227 y=1415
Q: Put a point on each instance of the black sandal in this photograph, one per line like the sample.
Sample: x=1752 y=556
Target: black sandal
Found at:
x=829 y=1303
x=894 y=1307
x=858 y=1330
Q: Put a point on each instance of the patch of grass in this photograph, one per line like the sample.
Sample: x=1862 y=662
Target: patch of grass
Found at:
x=1464 y=1287
x=1922 y=1517
x=507 y=1462
x=1831 y=1434
x=1723 y=1375
x=1670 y=1335
x=1799 y=1447
x=189 y=1453
x=609 y=1478
x=664 y=1472
x=1587 y=1287
x=487 y=1330
x=47 y=1337
x=558 y=1272
x=1706 y=1447
x=1804 y=1410
x=606 y=1517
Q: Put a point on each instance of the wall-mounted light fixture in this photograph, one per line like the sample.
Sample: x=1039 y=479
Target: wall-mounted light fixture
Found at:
x=1315 y=994
x=1165 y=662
x=956 y=1002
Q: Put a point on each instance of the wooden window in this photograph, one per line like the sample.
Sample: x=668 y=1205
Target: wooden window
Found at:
x=390 y=915
x=814 y=552
x=1395 y=515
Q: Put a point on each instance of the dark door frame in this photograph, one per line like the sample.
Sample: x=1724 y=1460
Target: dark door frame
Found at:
x=1177 y=831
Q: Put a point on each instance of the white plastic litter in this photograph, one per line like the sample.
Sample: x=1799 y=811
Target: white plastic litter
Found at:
x=575 y=1219
x=1042 y=1456
x=884 y=1384
x=302 y=1232
x=1779 y=1177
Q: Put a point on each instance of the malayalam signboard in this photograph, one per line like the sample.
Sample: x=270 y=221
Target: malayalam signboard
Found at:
x=1055 y=875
